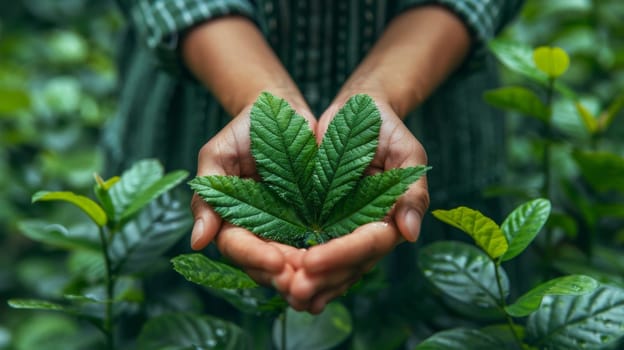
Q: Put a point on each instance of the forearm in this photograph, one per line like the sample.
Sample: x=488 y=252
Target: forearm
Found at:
x=231 y=58
x=418 y=50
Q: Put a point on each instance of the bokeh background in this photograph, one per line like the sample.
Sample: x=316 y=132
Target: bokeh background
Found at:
x=58 y=88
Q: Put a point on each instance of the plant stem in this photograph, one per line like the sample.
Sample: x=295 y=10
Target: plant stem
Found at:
x=547 y=169
x=110 y=283
x=503 y=304
x=284 y=329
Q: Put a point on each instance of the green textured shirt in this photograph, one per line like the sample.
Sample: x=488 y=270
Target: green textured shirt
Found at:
x=166 y=114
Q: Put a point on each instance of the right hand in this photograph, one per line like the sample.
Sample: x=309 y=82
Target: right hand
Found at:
x=229 y=153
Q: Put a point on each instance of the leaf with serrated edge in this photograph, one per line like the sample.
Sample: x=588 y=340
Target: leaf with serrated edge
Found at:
x=87 y=205
x=590 y=321
x=198 y=269
x=347 y=149
x=247 y=203
x=523 y=224
x=482 y=229
x=566 y=285
x=284 y=148
x=371 y=199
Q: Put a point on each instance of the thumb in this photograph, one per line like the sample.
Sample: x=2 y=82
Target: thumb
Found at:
x=207 y=223
x=411 y=208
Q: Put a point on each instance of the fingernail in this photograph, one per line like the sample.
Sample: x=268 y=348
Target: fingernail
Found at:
x=412 y=223
x=197 y=233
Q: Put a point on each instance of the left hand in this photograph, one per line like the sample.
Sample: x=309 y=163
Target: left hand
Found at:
x=328 y=270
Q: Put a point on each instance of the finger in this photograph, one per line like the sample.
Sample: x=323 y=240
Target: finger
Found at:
x=318 y=303
x=305 y=286
x=294 y=256
x=207 y=223
x=411 y=208
x=280 y=281
x=366 y=243
x=248 y=251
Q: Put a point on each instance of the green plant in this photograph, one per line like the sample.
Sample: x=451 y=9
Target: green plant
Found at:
x=568 y=312
x=135 y=223
x=309 y=194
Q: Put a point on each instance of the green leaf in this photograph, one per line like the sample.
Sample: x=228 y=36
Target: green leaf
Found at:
x=13 y=101
x=57 y=236
x=371 y=199
x=518 y=99
x=247 y=203
x=482 y=229
x=284 y=148
x=566 y=285
x=589 y=121
x=462 y=272
x=87 y=205
x=305 y=331
x=607 y=117
x=519 y=58
x=523 y=224
x=253 y=301
x=590 y=321
x=149 y=235
x=132 y=183
x=553 y=61
x=36 y=304
x=199 y=269
x=180 y=331
x=461 y=339
x=602 y=170
x=347 y=149
x=153 y=191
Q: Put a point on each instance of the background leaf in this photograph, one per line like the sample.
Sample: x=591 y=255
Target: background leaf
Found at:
x=482 y=229
x=523 y=224
x=58 y=236
x=284 y=148
x=517 y=99
x=149 y=235
x=153 y=191
x=87 y=205
x=460 y=339
x=181 y=331
x=133 y=182
x=371 y=199
x=348 y=147
x=201 y=270
x=462 y=272
x=247 y=203
x=519 y=58
x=604 y=171
x=551 y=60
x=305 y=331
x=566 y=285
x=590 y=321
x=36 y=304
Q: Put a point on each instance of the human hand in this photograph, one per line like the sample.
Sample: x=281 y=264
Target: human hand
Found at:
x=326 y=271
x=229 y=153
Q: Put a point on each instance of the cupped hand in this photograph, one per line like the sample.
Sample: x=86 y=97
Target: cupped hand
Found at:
x=229 y=153
x=328 y=270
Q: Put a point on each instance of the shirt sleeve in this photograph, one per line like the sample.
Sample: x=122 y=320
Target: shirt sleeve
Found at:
x=160 y=23
x=483 y=18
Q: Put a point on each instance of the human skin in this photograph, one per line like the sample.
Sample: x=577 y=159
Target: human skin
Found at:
x=418 y=50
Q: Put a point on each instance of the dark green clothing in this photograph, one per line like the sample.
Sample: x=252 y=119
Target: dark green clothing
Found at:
x=166 y=114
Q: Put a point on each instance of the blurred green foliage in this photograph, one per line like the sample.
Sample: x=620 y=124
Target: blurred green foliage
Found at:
x=57 y=88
